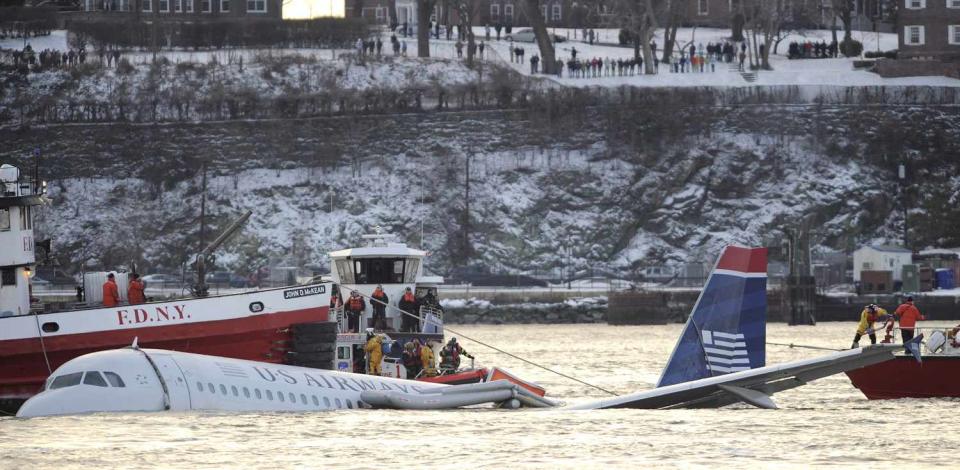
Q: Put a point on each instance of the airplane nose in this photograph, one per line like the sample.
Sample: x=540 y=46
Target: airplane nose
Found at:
x=39 y=405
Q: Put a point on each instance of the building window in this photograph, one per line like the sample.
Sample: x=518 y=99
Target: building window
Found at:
x=225 y=5
x=703 y=8
x=508 y=12
x=543 y=11
x=954 y=32
x=8 y=276
x=381 y=14
x=953 y=3
x=557 y=12
x=205 y=6
x=163 y=5
x=494 y=12
x=147 y=5
x=257 y=6
x=916 y=4
x=913 y=35
x=189 y=8
x=177 y=6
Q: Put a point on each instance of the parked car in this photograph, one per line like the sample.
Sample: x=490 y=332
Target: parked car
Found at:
x=526 y=35
x=225 y=279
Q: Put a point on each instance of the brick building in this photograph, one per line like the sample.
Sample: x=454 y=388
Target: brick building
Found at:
x=929 y=29
x=188 y=10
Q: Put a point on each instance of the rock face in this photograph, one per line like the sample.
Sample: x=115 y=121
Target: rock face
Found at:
x=575 y=184
x=591 y=310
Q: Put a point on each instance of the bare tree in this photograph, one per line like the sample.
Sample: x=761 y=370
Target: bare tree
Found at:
x=843 y=9
x=675 y=15
x=548 y=56
x=639 y=19
x=467 y=10
x=424 y=7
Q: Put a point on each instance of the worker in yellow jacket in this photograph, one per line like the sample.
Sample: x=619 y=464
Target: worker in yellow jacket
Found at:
x=870 y=315
x=428 y=360
x=374 y=349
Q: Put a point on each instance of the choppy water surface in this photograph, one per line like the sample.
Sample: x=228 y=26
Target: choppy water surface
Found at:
x=827 y=423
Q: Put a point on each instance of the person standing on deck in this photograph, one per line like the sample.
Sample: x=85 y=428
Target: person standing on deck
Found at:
x=135 y=290
x=355 y=308
x=408 y=307
x=870 y=314
x=111 y=294
x=379 y=301
x=908 y=314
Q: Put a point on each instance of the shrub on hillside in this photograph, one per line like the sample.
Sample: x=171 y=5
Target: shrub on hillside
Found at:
x=851 y=47
x=125 y=67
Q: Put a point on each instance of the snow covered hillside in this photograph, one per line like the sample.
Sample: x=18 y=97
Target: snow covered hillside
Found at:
x=620 y=184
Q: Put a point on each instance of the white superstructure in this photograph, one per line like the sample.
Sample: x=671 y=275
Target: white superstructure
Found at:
x=388 y=263
x=18 y=197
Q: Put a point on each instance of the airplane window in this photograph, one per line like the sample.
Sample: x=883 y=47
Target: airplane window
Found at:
x=315 y=401
x=280 y=396
x=256 y=392
x=94 y=378
x=210 y=387
x=199 y=386
x=349 y=404
x=246 y=392
x=339 y=404
x=67 y=380
x=303 y=399
x=293 y=398
x=269 y=395
x=115 y=380
x=326 y=402
x=233 y=388
x=223 y=390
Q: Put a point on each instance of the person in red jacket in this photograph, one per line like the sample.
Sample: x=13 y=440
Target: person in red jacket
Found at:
x=135 y=290
x=908 y=314
x=111 y=294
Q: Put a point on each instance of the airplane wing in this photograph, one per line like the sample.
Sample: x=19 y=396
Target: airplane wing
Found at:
x=753 y=386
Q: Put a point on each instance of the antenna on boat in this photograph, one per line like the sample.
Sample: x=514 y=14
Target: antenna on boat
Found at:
x=205 y=256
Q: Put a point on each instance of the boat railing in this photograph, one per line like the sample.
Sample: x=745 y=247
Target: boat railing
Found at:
x=949 y=336
x=337 y=314
x=431 y=319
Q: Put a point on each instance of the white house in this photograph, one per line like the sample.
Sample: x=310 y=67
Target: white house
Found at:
x=881 y=258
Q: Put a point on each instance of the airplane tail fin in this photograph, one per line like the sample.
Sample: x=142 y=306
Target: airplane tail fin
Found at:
x=727 y=329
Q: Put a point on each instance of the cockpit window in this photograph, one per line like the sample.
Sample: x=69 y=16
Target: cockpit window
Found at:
x=114 y=379
x=67 y=380
x=94 y=378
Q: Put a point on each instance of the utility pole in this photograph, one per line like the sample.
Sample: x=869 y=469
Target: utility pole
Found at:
x=902 y=174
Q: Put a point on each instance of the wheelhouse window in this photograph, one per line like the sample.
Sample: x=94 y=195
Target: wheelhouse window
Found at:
x=4 y=219
x=94 y=378
x=67 y=380
x=8 y=276
x=380 y=270
x=26 y=222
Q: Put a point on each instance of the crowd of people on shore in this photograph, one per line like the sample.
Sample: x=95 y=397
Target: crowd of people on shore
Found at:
x=813 y=50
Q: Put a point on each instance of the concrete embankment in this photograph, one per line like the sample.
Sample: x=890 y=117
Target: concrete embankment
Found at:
x=657 y=307
x=585 y=310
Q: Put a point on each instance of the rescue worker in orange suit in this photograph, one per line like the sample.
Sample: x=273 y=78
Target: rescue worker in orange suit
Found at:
x=374 y=348
x=428 y=361
x=870 y=315
x=411 y=361
x=355 y=308
x=908 y=314
x=411 y=312
x=379 y=301
x=135 y=290
x=111 y=293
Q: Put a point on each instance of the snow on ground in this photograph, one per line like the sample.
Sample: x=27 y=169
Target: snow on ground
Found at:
x=819 y=72
x=56 y=40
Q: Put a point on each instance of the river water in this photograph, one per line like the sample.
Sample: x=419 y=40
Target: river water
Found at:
x=825 y=424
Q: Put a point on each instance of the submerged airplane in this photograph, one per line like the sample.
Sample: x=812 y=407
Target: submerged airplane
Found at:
x=719 y=360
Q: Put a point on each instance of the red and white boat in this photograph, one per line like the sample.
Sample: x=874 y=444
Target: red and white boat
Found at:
x=252 y=325
x=936 y=376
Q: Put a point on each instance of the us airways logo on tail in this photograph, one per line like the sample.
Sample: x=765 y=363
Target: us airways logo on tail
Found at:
x=725 y=352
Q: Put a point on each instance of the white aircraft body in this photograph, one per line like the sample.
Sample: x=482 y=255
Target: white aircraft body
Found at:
x=719 y=360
